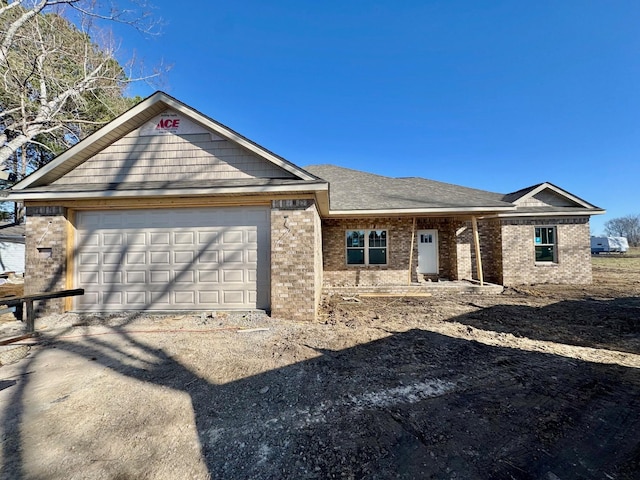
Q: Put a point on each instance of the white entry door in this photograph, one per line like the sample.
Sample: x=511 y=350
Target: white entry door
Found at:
x=427 y=251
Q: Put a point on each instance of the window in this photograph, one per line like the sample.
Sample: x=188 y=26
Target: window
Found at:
x=366 y=247
x=545 y=242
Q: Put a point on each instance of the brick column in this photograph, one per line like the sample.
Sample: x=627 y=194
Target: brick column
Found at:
x=46 y=255
x=296 y=260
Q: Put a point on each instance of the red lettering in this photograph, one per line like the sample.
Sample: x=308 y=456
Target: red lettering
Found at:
x=166 y=124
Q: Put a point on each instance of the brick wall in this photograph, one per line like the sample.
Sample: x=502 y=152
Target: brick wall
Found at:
x=464 y=247
x=573 y=264
x=490 y=234
x=399 y=233
x=296 y=260
x=46 y=255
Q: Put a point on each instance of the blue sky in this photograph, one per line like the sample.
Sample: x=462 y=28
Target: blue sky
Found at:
x=496 y=95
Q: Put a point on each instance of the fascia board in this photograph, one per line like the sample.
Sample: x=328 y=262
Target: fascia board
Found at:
x=419 y=211
x=187 y=192
x=582 y=213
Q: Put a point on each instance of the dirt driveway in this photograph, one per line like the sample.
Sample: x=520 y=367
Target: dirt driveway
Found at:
x=536 y=383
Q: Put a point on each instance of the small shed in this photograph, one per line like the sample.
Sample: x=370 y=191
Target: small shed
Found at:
x=12 y=237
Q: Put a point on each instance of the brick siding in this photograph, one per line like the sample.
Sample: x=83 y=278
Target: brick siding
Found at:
x=490 y=234
x=296 y=260
x=46 y=228
x=573 y=264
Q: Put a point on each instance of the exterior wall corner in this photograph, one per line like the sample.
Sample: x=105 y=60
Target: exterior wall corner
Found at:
x=46 y=255
x=296 y=260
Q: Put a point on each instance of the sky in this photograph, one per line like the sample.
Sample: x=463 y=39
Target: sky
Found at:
x=496 y=95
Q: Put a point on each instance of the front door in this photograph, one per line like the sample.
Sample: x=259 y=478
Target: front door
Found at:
x=427 y=251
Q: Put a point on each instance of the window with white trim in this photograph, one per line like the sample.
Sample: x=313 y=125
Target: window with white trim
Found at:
x=366 y=247
x=545 y=244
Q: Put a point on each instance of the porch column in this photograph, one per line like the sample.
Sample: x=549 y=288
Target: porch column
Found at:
x=476 y=244
x=413 y=237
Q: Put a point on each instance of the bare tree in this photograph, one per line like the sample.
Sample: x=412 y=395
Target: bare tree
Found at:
x=628 y=226
x=59 y=76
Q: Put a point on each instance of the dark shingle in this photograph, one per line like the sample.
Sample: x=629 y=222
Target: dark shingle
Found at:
x=355 y=190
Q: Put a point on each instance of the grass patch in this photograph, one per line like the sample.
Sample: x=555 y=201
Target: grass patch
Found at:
x=626 y=261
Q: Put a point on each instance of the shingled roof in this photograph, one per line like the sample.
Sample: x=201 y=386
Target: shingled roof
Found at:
x=353 y=190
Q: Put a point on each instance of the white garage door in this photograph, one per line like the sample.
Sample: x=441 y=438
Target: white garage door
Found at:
x=173 y=259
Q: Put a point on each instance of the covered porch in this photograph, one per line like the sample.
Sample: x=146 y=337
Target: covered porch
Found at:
x=410 y=254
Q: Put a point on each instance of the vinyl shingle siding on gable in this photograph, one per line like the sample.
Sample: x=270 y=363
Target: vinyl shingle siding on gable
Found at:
x=546 y=198
x=193 y=157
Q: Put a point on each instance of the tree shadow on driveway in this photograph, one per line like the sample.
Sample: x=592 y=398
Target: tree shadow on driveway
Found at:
x=415 y=404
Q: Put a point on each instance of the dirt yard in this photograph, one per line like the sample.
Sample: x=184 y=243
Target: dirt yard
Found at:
x=537 y=383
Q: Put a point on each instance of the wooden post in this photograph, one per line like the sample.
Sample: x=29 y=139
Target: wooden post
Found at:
x=70 y=253
x=476 y=244
x=413 y=238
x=31 y=320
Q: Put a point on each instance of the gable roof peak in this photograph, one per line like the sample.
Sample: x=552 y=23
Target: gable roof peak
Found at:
x=135 y=117
x=529 y=192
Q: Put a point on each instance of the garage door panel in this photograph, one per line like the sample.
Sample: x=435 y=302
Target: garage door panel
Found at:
x=133 y=297
x=233 y=276
x=113 y=298
x=207 y=276
x=159 y=238
x=211 y=297
x=135 y=239
x=136 y=258
x=208 y=238
x=90 y=259
x=91 y=240
x=233 y=237
x=231 y=297
x=160 y=300
x=133 y=276
x=159 y=258
x=89 y=298
x=183 y=257
x=165 y=259
x=232 y=256
x=111 y=258
x=184 y=276
x=112 y=278
x=208 y=257
x=161 y=277
x=109 y=239
x=89 y=278
x=184 y=238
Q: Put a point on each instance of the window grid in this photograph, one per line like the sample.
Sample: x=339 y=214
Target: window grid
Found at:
x=545 y=244
x=372 y=251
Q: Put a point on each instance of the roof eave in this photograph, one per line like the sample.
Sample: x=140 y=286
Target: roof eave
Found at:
x=411 y=212
x=581 y=213
x=22 y=195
